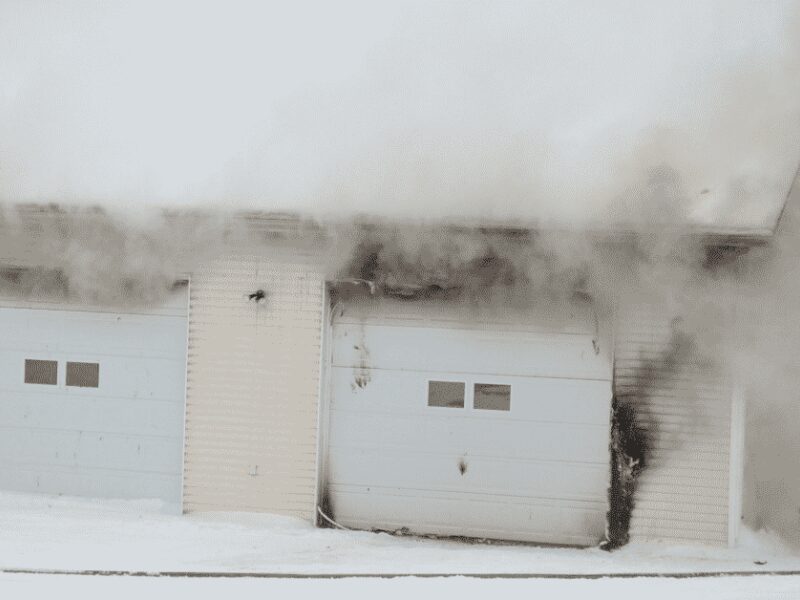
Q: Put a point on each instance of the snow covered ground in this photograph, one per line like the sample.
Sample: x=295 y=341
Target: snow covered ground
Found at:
x=39 y=532
x=61 y=533
x=460 y=588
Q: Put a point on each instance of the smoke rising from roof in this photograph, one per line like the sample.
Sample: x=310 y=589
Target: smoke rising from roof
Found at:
x=517 y=111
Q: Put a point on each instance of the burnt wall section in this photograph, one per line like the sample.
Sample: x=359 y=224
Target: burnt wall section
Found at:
x=455 y=264
x=676 y=405
x=628 y=449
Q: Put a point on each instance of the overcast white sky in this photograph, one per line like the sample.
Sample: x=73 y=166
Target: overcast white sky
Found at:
x=512 y=110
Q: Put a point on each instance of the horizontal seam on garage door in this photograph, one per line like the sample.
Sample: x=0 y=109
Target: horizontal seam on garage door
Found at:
x=10 y=305
x=418 y=452
x=458 y=493
x=78 y=350
x=471 y=374
x=39 y=466
x=462 y=413
x=94 y=432
x=59 y=392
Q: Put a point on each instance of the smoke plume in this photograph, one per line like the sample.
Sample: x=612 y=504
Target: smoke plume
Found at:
x=544 y=115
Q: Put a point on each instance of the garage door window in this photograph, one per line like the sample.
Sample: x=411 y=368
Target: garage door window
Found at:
x=43 y=372
x=449 y=394
x=489 y=396
x=82 y=374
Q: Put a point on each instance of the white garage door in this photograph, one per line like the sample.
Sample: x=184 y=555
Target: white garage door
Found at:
x=470 y=425
x=91 y=401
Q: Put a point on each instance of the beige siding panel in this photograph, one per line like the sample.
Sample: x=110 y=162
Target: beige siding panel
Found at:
x=685 y=408
x=253 y=386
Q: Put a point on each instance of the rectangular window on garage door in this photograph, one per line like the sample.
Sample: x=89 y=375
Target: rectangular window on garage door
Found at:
x=43 y=372
x=490 y=396
x=448 y=394
x=83 y=374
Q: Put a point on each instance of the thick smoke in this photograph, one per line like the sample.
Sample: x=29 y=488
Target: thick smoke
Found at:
x=517 y=111
x=765 y=354
x=97 y=257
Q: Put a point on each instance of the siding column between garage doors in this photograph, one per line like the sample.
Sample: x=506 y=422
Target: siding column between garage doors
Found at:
x=253 y=385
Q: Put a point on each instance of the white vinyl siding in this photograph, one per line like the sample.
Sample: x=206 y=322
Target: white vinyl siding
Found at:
x=682 y=494
x=253 y=386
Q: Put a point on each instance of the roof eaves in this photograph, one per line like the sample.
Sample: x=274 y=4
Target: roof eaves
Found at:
x=786 y=198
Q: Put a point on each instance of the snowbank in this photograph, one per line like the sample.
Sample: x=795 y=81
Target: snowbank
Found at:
x=62 y=533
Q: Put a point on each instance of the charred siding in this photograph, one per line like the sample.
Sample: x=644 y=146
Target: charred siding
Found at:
x=681 y=407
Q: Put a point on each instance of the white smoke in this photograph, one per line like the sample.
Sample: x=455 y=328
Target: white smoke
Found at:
x=527 y=111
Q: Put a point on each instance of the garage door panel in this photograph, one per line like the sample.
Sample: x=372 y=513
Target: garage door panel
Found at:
x=536 y=471
x=83 y=331
x=89 y=450
x=139 y=378
x=525 y=354
x=76 y=481
x=476 y=516
x=119 y=376
x=478 y=436
x=399 y=468
x=77 y=413
x=536 y=399
x=122 y=438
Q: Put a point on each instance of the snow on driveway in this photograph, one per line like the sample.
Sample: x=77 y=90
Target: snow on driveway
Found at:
x=135 y=588
x=61 y=533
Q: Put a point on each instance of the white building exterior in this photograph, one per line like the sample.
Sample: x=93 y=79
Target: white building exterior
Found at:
x=384 y=415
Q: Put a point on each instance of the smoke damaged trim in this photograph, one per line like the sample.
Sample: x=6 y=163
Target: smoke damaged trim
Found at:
x=705 y=233
x=23 y=282
x=277 y=225
x=269 y=224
